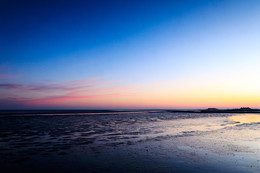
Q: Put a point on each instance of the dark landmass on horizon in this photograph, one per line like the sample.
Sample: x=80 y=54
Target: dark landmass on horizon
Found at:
x=104 y=111
x=215 y=110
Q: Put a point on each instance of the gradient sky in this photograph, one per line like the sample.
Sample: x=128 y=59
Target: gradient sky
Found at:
x=129 y=54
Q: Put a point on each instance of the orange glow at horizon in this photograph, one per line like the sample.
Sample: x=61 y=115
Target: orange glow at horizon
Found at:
x=181 y=94
x=154 y=100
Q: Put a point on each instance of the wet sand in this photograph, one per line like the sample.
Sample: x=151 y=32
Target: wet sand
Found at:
x=131 y=142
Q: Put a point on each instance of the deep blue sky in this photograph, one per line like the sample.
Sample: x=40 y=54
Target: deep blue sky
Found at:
x=137 y=42
x=45 y=29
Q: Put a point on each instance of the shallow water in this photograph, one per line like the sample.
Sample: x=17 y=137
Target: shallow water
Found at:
x=131 y=142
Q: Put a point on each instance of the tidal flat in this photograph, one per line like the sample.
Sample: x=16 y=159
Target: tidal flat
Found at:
x=141 y=141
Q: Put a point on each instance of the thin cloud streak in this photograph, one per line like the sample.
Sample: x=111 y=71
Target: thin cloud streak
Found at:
x=68 y=98
x=68 y=86
x=105 y=89
x=69 y=92
x=11 y=86
x=9 y=76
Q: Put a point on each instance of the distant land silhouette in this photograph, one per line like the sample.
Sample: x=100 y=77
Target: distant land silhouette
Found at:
x=78 y=112
x=215 y=110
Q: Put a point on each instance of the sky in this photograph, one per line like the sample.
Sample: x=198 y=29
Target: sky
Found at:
x=123 y=54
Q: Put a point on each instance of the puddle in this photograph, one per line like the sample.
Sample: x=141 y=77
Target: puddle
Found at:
x=245 y=119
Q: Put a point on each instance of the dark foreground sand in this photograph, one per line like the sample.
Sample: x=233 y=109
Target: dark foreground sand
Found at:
x=131 y=142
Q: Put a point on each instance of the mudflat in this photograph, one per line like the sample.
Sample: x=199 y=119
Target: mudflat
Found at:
x=130 y=142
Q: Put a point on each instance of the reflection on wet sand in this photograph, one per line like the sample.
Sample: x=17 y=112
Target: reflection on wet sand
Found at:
x=246 y=118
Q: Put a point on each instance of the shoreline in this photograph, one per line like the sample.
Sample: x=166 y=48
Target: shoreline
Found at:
x=103 y=111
